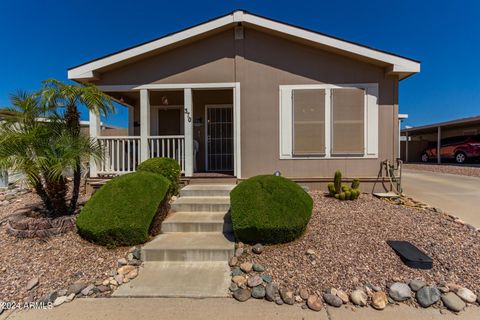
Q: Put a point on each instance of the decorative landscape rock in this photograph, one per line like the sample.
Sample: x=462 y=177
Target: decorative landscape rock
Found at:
x=122 y=262
x=32 y=283
x=242 y=295
x=236 y=271
x=400 y=291
x=125 y=269
x=131 y=275
x=287 y=296
x=254 y=281
x=426 y=296
x=70 y=297
x=62 y=292
x=303 y=294
x=258 y=248
x=58 y=301
x=87 y=290
x=271 y=292
x=76 y=288
x=379 y=300
x=310 y=252
x=258 y=292
x=246 y=267
x=258 y=267
x=238 y=252
x=233 y=261
x=314 y=303
x=233 y=287
x=467 y=295
x=267 y=278
x=137 y=253
x=343 y=296
x=239 y=280
x=416 y=284
x=359 y=297
x=332 y=300
x=453 y=302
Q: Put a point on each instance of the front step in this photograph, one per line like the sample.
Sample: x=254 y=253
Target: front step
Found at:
x=198 y=204
x=189 y=246
x=206 y=190
x=179 y=279
x=197 y=222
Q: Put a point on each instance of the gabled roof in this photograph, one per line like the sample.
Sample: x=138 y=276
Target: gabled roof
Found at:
x=396 y=64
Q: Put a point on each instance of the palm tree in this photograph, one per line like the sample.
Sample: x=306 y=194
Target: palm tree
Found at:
x=58 y=94
x=38 y=141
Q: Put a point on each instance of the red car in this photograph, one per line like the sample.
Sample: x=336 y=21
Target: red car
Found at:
x=460 y=149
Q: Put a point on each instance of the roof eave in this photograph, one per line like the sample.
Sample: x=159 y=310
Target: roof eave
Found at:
x=397 y=65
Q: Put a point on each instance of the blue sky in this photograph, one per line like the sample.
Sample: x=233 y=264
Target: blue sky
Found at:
x=42 y=39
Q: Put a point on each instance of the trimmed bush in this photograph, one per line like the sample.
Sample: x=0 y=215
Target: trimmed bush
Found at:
x=121 y=212
x=269 y=209
x=167 y=167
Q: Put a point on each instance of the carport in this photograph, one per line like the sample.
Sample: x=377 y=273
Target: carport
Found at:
x=416 y=139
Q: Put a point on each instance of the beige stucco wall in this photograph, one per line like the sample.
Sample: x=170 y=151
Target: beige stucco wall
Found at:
x=261 y=62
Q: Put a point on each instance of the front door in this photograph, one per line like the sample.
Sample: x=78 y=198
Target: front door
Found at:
x=219 y=138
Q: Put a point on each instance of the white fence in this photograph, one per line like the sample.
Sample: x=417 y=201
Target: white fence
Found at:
x=122 y=154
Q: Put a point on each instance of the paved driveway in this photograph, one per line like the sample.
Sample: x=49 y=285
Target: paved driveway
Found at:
x=455 y=194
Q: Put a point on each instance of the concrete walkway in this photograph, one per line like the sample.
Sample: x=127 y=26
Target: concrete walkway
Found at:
x=454 y=194
x=221 y=308
x=190 y=258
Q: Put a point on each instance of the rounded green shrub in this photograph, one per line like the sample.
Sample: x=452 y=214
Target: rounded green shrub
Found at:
x=121 y=212
x=269 y=209
x=167 y=167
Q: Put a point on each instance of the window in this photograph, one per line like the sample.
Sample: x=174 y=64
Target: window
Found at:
x=328 y=121
x=309 y=122
x=348 y=107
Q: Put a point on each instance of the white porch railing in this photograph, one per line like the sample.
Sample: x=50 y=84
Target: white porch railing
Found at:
x=168 y=147
x=122 y=154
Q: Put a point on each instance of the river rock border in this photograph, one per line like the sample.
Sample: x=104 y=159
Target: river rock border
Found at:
x=249 y=280
x=127 y=269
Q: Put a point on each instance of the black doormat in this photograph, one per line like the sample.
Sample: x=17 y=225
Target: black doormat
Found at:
x=411 y=255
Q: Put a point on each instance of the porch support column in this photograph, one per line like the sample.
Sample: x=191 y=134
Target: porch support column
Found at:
x=131 y=119
x=144 y=123
x=94 y=130
x=406 y=146
x=188 y=131
x=439 y=138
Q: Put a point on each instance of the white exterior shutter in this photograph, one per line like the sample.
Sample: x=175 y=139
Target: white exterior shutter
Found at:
x=285 y=123
x=372 y=120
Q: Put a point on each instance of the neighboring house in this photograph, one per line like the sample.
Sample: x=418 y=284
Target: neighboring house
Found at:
x=457 y=140
x=106 y=129
x=246 y=95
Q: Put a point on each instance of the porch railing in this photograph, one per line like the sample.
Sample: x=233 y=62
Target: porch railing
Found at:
x=169 y=147
x=123 y=154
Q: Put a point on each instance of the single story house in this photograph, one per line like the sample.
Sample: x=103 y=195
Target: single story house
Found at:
x=243 y=95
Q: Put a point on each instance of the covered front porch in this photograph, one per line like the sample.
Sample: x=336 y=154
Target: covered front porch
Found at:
x=198 y=125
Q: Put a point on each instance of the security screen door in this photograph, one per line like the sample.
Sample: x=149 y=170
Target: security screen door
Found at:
x=219 y=138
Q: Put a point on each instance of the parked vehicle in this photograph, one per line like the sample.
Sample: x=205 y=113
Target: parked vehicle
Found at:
x=459 y=149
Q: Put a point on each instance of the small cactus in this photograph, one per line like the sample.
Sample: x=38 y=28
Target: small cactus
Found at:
x=338 y=181
x=348 y=195
x=331 y=189
x=345 y=188
x=337 y=196
x=355 y=184
x=341 y=196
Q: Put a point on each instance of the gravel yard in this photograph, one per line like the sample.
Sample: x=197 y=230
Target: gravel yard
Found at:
x=349 y=241
x=465 y=170
x=57 y=262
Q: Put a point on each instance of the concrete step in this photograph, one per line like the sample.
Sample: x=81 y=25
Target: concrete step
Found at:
x=189 y=246
x=205 y=204
x=197 y=222
x=207 y=190
x=179 y=279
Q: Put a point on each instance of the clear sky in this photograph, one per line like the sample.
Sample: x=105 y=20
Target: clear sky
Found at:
x=40 y=39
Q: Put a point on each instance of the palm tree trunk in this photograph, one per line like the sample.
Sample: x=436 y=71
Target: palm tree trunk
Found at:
x=57 y=192
x=76 y=188
x=72 y=117
x=44 y=197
